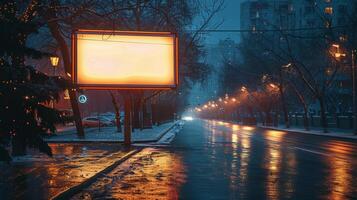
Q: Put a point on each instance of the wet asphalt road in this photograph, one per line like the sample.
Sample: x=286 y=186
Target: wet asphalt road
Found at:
x=217 y=160
x=228 y=161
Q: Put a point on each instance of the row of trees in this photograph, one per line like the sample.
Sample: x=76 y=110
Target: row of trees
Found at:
x=33 y=29
x=310 y=66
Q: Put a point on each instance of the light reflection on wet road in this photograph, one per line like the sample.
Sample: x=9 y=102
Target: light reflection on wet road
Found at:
x=228 y=161
x=217 y=160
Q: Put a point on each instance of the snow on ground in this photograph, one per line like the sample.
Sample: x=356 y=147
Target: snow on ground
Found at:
x=110 y=134
x=341 y=133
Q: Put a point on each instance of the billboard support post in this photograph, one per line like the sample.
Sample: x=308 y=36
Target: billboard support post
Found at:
x=127 y=118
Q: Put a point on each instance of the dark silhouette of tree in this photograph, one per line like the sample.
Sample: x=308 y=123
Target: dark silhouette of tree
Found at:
x=24 y=91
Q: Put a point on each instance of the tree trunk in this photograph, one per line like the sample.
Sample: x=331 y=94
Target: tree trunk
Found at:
x=18 y=145
x=306 y=119
x=142 y=114
x=283 y=102
x=117 y=112
x=302 y=101
x=54 y=28
x=323 y=114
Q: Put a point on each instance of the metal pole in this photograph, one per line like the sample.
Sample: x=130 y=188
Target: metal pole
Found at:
x=54 y=74
x=354 y=87
x=127 y=119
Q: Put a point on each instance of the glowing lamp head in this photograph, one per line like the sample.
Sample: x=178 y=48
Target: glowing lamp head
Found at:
x=336 y=45
x=54 y=61
x=272 y=85
x=339 y=55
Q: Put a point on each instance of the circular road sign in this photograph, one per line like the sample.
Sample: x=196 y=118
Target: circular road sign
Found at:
x=82 y=98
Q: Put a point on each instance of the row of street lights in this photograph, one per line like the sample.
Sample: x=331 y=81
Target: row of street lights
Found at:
x=226 y=100
x=221 y=102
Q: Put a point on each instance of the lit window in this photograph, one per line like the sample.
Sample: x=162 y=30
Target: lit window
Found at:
x=329 y=10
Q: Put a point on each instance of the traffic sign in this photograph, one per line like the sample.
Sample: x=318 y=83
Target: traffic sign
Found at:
x=82 y=98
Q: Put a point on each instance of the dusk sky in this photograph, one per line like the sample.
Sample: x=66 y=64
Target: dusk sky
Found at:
x=230 y=16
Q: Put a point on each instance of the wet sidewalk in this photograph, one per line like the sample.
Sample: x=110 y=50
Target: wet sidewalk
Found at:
x=150 y=174
x=38 y=176
x=110 y=134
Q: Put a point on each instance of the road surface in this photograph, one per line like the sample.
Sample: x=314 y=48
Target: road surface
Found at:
x=217 y=160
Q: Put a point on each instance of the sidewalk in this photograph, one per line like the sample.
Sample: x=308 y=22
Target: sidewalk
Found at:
x=109 y=134
x=37 y=176
x=332 y=132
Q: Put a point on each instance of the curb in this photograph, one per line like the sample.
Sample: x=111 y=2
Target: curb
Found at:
x=310 y=133
x=77 y=188
x=162 y=134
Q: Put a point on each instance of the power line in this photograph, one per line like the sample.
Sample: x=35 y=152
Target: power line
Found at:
x=266 y=30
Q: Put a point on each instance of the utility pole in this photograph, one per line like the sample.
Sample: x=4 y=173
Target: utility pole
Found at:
x=354 y=88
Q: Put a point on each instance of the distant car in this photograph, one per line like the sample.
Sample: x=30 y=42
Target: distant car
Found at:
x=94 y=121
x=112 y=117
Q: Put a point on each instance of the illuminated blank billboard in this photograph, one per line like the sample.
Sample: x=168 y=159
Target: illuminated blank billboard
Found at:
x=124 y=60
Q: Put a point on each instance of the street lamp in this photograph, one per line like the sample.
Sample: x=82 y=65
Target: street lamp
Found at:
x=339 y=55
x=54 y=62
x=354 y=88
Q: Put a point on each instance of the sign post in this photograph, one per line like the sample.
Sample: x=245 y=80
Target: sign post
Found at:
x=124 y=60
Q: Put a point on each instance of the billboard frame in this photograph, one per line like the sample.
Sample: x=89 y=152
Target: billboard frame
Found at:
x=122 y=86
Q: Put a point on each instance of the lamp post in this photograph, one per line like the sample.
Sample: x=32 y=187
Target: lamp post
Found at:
x=54 y=62
x=338 y=56
x=354 y=88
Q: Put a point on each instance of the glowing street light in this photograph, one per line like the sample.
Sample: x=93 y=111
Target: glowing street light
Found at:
x=54 y=61
x=339 y=55
x=287 y=66
x=336 y=45
x=272 y=85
